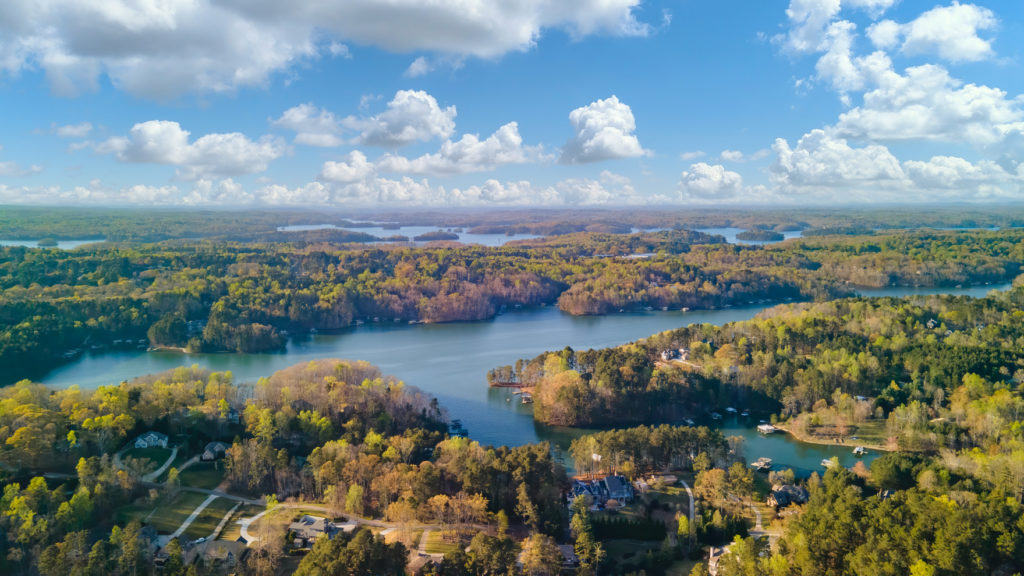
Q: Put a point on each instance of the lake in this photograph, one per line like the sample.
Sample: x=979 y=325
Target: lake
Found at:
x=61 y=244
x=451 y=360
x=730 y=235
x=413 y=231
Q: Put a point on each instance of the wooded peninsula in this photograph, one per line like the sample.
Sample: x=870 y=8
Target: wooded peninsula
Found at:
x=334 y=467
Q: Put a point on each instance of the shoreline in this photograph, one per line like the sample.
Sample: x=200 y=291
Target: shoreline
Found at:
x=827 y=442
x=168 y=349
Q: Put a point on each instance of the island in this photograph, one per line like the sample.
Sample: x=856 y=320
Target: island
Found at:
x=758 y=235
x=436 y=235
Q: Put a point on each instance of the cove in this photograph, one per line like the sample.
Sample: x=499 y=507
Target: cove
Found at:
x=450 y=361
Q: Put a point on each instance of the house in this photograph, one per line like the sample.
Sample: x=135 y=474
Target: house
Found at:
x=618 y=488
x=214 y=450
x=784 y=495
x=569 y=558
x=151 y=439
x=307 y=529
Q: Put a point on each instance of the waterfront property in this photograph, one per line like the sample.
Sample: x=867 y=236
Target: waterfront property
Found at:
x=618 y=488
x=786 y=494
x=597 y=492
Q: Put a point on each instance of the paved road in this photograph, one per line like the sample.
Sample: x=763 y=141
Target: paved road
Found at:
x=163 y=540
x=423 y=542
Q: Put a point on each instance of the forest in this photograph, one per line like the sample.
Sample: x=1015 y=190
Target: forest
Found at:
x=247 y=297
x=940 y=376
x=329 y=431
x=148 y=225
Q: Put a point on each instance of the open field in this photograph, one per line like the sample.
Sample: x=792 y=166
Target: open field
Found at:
x=203 y=475
x=870 y=434
x=436 y=544
x=156 y=455
x=167 y=515
x=206 y=522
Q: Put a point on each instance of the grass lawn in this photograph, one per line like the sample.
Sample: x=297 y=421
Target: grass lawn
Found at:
x=438 y=545
x=207 y=521
x=169 y=515
x=411 y=540
x=681 y=568
x=300 y=512
x=871 y=432
x=179 y=461
x=131 y=512
x=157 y=455
x=628 y=551
x=203 y=475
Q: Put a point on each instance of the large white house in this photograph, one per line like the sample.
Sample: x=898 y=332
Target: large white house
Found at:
x=151 y=439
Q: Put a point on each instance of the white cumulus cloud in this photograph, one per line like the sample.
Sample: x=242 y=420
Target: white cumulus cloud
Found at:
x=706 y=181
x=467 y=154
x=926 y=103
x=411 y=116
x=355 y=169
x=312 y=126
x=160 y=48
x=165 y=142
x=951 y=32
x=822 y=161
x=603 y=131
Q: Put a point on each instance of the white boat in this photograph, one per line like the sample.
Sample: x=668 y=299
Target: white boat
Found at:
x=859 y=451
x=762 y=464
x=716 y=416
x=730 y=410
x=827 y=462
x=766 y=428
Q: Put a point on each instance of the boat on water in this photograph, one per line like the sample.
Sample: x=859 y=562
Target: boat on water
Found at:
x=689 y=422
x=745 y=413
x=716 y=416
x=859 y=451
x=762 y=464
x=730 y=410
x=828 y=462
x=766 y=428
x=527 y=398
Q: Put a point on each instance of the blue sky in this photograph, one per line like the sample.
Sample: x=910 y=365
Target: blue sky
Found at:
x=534 y=102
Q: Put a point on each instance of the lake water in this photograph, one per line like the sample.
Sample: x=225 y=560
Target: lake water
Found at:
x=730 y=235
x=61 y=244
x=450 y=361
x=413 y=231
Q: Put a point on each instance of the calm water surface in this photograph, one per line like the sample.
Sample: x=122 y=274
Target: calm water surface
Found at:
x=450 y=361
x=413 y=231
x=730 y=235
x=61 y=244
